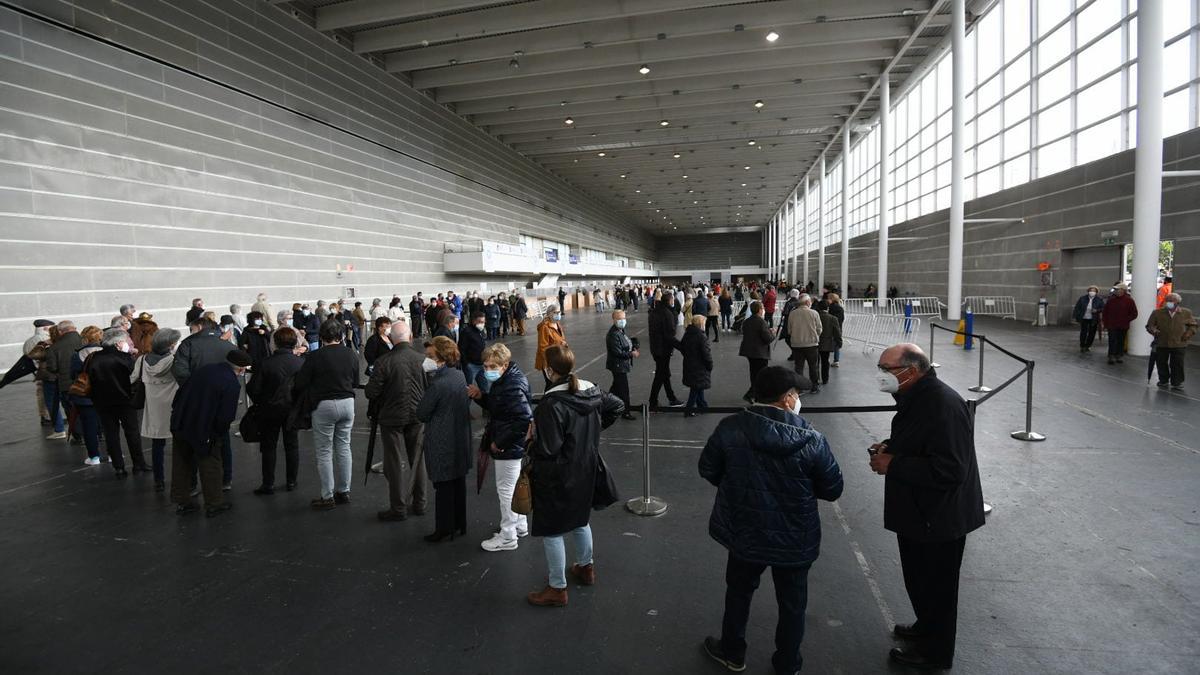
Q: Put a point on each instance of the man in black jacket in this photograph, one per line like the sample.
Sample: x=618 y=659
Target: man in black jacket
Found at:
x=931 y=500
x=662 y=344
x=619 y=360
x=756 y=345
x=271 y=388
x=770 y=468
x=396 y=386
x=471 y=341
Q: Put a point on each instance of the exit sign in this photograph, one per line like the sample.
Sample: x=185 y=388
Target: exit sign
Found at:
x=1109 y=237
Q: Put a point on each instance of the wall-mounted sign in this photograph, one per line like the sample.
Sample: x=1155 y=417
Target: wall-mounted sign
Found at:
x=574 y=259
x=551 y=255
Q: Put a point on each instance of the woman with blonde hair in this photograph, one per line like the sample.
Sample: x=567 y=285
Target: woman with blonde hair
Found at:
x=550 y=333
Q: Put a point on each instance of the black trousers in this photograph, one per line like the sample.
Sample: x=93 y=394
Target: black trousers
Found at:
x=756 y=365
x=1087 y=332
x=662 y=380
x=710 y=324
x=186 y=462
x=1170 y=364
x=1116 y=341
x=824 y=366
x=114 y=419
x=450 y=505
x=620 y=388
x=272 y=429
x=809 y=356
x=791 y=594
x=416 y=324
x=931 y=572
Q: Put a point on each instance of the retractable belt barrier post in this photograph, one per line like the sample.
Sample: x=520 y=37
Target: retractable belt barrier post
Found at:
x=646 y=505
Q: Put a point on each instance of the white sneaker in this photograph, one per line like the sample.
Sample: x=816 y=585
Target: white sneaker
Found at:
x=522 y=533
x=498 y=544
x=57 y=436
x=92 y=461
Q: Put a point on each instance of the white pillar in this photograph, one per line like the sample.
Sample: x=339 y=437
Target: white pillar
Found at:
x=845 y=278
x=821 y=228
x=885 y=180
x=807 y=204
x=771 y=248
x=1147 y=172
x=958 y=91
x=797 y=246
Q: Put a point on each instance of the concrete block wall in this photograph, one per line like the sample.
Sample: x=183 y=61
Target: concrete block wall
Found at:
x=1064 y=213
x=234 y=150
x=716 y=251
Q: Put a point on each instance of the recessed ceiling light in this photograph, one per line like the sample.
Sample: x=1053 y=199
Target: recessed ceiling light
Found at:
x=649 y=202
x=744 y=167
x=743 y=185
x=645 y=69
x=685 y=175
x=747 y=142
x=622 y=175
x=759 y=103
x=664 y=123
x=676 y=155
x=601 y=154
x=571 y=121
x=638 y=191
x=772 y=36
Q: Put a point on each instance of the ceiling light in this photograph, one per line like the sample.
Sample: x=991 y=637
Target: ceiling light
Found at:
x=514 y=64
x=601 y=154
x=570 y=121
x=638 y=191
x=676 y=155
x=645 y=69
x=743 y=185
x=663 y=123
x=759 y=104
x=685 y=175
x=649 y=202
x=747 y=142
x=772 y=36
x=744 y=167
x=622 y=175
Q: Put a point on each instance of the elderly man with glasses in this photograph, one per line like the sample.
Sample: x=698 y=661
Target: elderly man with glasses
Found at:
x=932 y=498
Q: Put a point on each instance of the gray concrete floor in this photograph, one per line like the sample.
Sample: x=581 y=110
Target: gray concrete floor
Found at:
x=1086 y=565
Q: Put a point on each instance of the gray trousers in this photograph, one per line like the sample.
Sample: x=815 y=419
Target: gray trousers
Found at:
x=404 y=467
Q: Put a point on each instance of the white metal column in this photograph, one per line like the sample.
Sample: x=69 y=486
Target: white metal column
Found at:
x=821 y=226
x=885 y=180
x=797 y=245
x=1147 y=172
x=845 y=277
x=957 y=120
x=805 y=217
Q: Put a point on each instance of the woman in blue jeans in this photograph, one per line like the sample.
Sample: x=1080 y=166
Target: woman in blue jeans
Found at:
x=327 y=381
x=565 y=454
x=89 y=421
x=154 y=371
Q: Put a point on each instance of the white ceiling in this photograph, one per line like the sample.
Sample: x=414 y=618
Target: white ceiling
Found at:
x=520 y=69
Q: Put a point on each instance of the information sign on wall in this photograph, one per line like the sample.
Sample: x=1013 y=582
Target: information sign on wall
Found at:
x=551 y=255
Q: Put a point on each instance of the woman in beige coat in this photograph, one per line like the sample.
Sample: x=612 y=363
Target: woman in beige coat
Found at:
x=154 y=371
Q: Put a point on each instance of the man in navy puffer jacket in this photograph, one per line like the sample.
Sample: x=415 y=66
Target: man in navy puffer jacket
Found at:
x=770 y=468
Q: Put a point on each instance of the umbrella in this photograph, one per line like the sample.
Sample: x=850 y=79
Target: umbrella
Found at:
x=1150 y=364
x=24 y=366
x=482 y=460
x=373 y=409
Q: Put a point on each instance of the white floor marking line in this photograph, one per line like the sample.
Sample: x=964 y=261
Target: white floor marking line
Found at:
x=1151 y=434
x=885 y=611
x=22 y=487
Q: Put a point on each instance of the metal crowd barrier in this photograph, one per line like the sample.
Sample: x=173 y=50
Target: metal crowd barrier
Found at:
x=929 y=306
x=1004 y=306
x=879 y=331
x=864 y=306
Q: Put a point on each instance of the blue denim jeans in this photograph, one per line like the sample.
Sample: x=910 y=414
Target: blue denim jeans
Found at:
x=696 y=399
x=556 y=553
x=89 y=422
x=55 y=404
x=331 y=424
x=471 y=371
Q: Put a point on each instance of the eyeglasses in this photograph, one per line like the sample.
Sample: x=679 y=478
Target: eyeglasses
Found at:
x=888 y=369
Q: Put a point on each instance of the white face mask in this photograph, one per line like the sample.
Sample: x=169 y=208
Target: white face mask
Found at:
x=429 y=365
x=888 y=382
x=258 y=322
x=796 y=406
x=1091 y=294
x=123 y=346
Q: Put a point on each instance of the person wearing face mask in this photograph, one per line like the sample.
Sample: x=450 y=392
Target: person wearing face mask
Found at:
x=549 y=333
x=153 y=369
x=255 y=339
x=447 y=326
x=1172 y=327
x=328 y=379
x=395 y=389
x=697 y=364
x=757 y=339
x=470 y=346
x=378 y=344
x=308 y=322
x=1087 y=313
x=445 y=411
x=109 y=372
x=200 y=417
x=769 y=467
x=1119 y=312
x=268 y=389
x=503 y=391
x=619 y=360
x=931 y=498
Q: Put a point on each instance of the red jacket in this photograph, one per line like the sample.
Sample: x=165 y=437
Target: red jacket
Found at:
x=769 y=302
x=1119 y=312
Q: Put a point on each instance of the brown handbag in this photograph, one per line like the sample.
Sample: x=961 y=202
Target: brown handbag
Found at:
x=522 y=499
x=82 y=386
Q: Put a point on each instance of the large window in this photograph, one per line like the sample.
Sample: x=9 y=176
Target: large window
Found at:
x=1051 y=85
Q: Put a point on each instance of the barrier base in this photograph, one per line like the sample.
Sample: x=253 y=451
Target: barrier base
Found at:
x=934 y=364
x=1030 y=436
x=981 y=389
x=987 y=509
x=648 y=506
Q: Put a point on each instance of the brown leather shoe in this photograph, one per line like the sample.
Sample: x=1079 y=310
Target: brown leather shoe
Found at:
x=584 y=574
x=548 y=597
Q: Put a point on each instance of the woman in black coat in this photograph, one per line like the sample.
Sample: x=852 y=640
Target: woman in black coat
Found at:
x=108 y=373
x=565 y=454
x=379 y=343
x=255 y=340
x=446 y=412
x=838 y=312
x=697 y=364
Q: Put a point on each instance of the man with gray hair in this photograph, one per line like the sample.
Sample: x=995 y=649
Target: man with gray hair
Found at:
x=804 y=333
x=128 y=312
x=396 y=386
x=58 y=380
x=931 y=498
x=1172 y=327
x=261 y=305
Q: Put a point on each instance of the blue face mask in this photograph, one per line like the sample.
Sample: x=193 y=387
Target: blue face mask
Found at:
x=620 y=323
x=492 y=375
x=558 y=317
